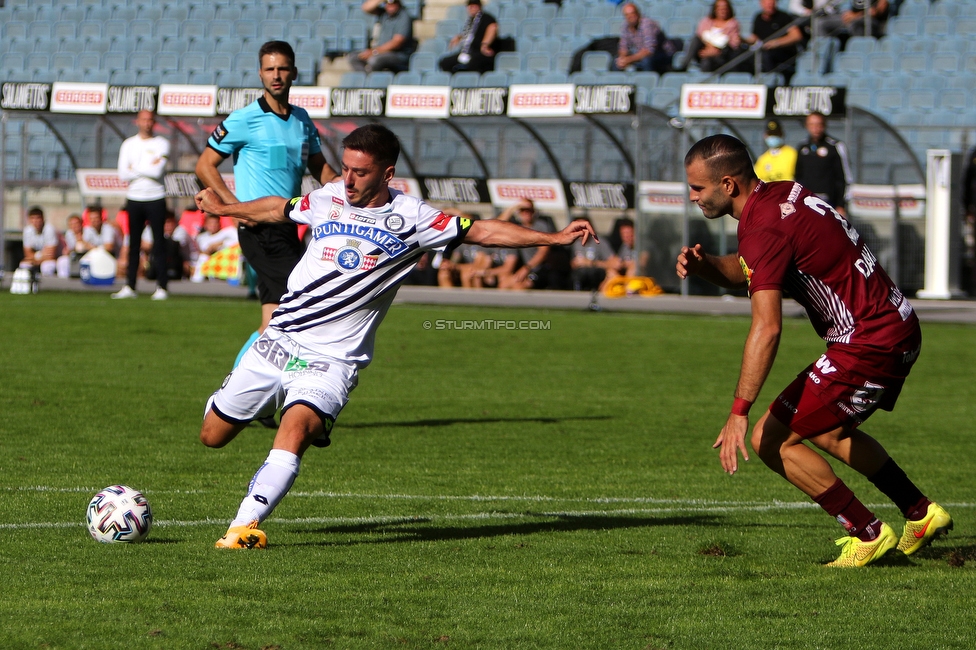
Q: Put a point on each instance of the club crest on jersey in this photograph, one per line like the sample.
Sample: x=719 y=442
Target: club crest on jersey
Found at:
x=786 y=209
x=336 y=210
x=746 y=271
x=394 y=222
x=349 y=258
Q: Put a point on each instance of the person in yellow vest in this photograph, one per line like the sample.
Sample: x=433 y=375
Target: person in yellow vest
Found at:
x=779 y=161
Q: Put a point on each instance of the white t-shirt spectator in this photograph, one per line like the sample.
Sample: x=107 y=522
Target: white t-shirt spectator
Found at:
x=141 y=163
x=37 y=241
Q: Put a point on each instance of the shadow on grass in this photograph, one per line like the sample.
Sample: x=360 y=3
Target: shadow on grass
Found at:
x=446 y=422
x=425 y=530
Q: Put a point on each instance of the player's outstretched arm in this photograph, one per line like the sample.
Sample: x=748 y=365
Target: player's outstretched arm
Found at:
x=268 y=209
x=502 y=234
x=724 y=271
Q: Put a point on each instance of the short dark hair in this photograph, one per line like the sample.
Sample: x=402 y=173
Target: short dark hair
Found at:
x=724 y=155
x=377 y=141
x=276 y=47
x=35 y=210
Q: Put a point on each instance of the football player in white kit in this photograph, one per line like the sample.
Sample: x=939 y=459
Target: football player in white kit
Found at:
x=366 y=238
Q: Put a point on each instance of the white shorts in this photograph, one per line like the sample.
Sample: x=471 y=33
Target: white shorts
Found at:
x=276 y=373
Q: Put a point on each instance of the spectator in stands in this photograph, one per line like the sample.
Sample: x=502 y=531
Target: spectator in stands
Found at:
x=969 y=226
x=643 y=44
x=822 y=165
x=464 y=268
x=142 y=161
x=851 y=21
x=779 y=52
x=41 y=242
x=536 y=271
x=589 y=264
x=210 y=240
x=68 y=263
x=717 y=39
x=778 y=163
x=474 y=43
x=392 y=42
x=101 y=233
x=622 y=241
x=179 y=246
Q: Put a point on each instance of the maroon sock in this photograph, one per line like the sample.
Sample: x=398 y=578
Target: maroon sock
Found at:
x=919 y=510
x=839 y=502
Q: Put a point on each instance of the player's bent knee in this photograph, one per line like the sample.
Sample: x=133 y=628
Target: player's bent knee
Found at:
x=216 y=432
x=768 y=436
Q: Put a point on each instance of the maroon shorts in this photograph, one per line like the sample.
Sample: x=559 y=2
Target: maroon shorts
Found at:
x=843 y=388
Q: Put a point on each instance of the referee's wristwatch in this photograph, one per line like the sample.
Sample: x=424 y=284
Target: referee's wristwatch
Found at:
x=375 y=52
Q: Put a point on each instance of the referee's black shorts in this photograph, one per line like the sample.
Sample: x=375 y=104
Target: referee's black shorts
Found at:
x=272 y=250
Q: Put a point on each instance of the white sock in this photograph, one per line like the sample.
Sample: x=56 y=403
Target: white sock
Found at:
x=270 y=484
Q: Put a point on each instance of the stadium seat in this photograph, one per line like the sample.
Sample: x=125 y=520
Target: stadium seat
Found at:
x=88 y=61
x=447 y=29
x=149 y=78
x=190 y=29
x=14 y=30
x=246 y=29
x=309 y=14
x=67 y=29
x=12 y=64
x=218 y=29
x=913 y=63
x=736 y=78
x=929 y=82
x=123 y=78
x=353 y=34
x=465 y=79
x=202 y=12
x=954 y=99
x=98 y=13
x=537 y=62
x=859 y=98
x=904 y=27
x=70 y=45
x=881 y=63
x=228 y=12
x=202 y=78
x=965 y=26
x=532 y=28
x=229 y=79
x=284 y=13
x=166 y=61
x=524 y=77
x=166 y=28
x=683 y=27
x=553 y=77
x=508 y=61
x=175 y=77
x=39 y=31
x=225 y=61
x=353 y=80
x=852 y=63
x=922 y=99
x=272 y=30
x=513 y=12
x=598 y=61
x=544 y=11
x=177 y=45
x=860 y=44
x=936 y=27
x=945 y=63
x=123 y=12
x=408 y=78
x=494 y=79
x=113 y=61
x=888 y=101
x=202 y=44
x=139 y=28
x=664 y=98
x=114 y=29
x=149 y=11
x=98 y=45
x=563 y=28
x=298 y=30
x=437 y=78
x=193 y=61
x=72 y=14
x=139 y=61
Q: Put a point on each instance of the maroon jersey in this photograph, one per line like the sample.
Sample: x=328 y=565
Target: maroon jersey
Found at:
x=792 y=240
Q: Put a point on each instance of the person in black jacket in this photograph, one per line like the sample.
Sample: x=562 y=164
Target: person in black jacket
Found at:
x=822 y=164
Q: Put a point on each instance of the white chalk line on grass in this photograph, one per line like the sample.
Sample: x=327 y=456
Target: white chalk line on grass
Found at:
x=672 y=506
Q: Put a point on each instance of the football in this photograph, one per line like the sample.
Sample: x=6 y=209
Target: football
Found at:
x=119 y=514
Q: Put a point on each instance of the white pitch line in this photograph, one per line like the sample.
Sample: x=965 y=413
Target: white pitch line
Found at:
x=408 y=519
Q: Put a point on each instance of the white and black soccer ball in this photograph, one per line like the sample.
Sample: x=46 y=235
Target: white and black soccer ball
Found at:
x=119 y=514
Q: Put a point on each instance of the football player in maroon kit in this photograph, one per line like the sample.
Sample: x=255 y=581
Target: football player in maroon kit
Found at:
x=791 y=240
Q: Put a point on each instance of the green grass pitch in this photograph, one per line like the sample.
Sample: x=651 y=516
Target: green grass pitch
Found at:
x=548 y=488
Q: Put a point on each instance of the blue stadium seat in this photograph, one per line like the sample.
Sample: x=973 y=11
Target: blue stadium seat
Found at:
x=139 y=61
x=437 y=78
x=532 y=28
x=447 y=29
x=217 y=29
x=328 y=33
x=353 y=80
x=597 y=61
x=554 y=77
x=924 y=100
x=494 y=79
x=246 y=29
x=175 y=77
x=593 y=28
x=965 y=26
x=177 y=45
x=113 y=61
x=272 y=30
x=284 y=13
x=543 y=10
x=298 y=30
x=229 y=79
x=68 y=29
x=929 y=82
x=166 y=28
x=859 y=98
x=149 y=11
x=139 y=28
x=229 y=12
x=177 y=11
x=307 y=68
x=202 y=78
x=39 y=31
x=225 y=61
x=538 y=62
x=513 y=12
x=114 y=29
x=945 y=63
x=423 y=61
x=191 y=29
x=736 y=78
x=881 y=63
x=202 y=12
x=123 y=12
x=408 y=78
x=72 y=14
x=861 y=44
x=508 y=61
x=14 y=30
x=98 y=45
x=458 y=13
x=954 y=99
x=88 y=61
x=905 y=27
x=202 y=44
x=888 y=101
x=98 y=12
x=149 y=78
x=353 y=34
x=230 y=45
x=95 y=76
x=936 y=27
x=524 y=77
x=563 y=28
x=123 y=78
x=70 y=45
x=193 y=61
x=914 y=63
x=664 y=98
x=683 y=27
x=309 y=14
x=465 y=79
x=37 y=61
x=850 y=62
x=166 y=61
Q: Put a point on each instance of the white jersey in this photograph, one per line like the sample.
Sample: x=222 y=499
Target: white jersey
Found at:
x=345 y=282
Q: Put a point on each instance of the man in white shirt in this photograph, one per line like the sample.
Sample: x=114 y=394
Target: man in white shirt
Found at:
x=142 y=160
x=211 y=239
x=40 y=243
x=366 y=239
